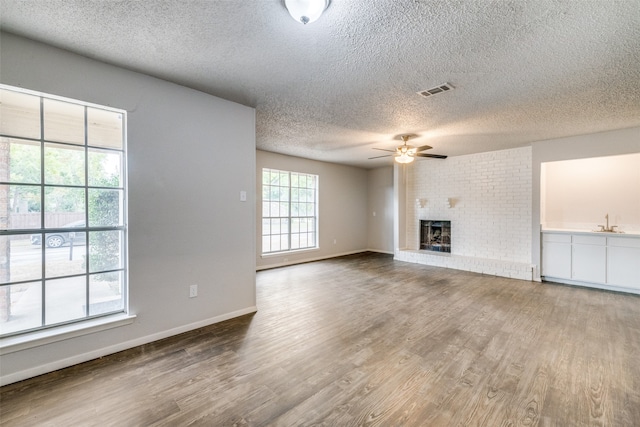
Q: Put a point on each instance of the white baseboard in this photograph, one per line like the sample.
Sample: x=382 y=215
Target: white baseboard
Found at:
x=380 y=251
x=546 y=279
x=302 y=261
x=101 y=352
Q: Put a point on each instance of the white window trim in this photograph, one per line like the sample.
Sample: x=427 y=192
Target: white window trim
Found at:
x=293 y=252
x=42 y=337
x=316 y=217
x=84 y=326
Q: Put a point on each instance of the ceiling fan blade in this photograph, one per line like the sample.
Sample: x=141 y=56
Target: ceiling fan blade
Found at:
x=377 y=157
x=423 y=148
x=433 y=156
x=384 y=149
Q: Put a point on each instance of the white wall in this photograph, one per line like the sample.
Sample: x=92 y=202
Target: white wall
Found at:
x=380 y=209
x=611 y=143
x=342 y=208
x=577 y=194
x=490 y=211
x=187 y=224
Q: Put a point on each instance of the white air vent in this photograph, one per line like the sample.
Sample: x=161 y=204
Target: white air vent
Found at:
x=435 y=90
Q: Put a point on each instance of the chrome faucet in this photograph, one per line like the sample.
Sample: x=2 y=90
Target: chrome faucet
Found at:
x=607 y=229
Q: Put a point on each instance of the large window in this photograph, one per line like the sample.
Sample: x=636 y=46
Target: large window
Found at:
x=62 y=211
x=289 y=211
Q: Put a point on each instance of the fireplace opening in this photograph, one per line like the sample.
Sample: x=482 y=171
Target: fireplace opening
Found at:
x=435 y=235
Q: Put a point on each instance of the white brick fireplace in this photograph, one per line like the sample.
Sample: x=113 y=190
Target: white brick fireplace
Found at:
x=487 y=198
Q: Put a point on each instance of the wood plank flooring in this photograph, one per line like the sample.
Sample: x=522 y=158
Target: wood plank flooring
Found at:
x=365 y=340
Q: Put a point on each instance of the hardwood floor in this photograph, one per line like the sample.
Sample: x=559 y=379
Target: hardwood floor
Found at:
x=365 y=340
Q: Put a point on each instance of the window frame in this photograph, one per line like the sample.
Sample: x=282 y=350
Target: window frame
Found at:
x=122 y=269
x=289 y=217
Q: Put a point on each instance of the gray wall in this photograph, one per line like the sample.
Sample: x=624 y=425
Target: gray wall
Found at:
x=380 y=209
x=343 y=208
x=187 y=223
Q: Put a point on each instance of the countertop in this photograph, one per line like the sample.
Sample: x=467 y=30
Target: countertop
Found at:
x=593 y=232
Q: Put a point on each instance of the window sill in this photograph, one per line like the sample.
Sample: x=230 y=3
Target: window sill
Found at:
x=61 y=333
x=285 y=253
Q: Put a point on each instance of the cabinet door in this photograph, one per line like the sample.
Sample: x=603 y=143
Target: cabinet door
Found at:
x=589 y=263
x=556 y=260
x=623 y=267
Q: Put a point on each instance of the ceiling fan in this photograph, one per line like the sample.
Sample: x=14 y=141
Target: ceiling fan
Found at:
x=407 y=153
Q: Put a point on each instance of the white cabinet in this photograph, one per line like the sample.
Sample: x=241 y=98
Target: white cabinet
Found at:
x=623 y=262
x=589 y=263
x=592 y=259
x=556 y=255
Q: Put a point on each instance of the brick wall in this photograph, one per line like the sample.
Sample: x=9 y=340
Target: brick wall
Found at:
x=490 y=210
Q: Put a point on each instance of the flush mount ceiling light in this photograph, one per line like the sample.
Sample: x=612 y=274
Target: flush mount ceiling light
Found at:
x=306 y=11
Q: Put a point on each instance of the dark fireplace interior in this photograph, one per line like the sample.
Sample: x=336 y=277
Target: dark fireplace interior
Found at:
x=435 y=235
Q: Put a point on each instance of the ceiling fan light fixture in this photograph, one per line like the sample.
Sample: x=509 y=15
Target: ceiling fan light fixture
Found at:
x=306 y=11
x=404 y=158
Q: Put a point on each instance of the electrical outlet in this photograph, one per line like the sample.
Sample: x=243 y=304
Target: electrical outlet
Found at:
x=193 y=291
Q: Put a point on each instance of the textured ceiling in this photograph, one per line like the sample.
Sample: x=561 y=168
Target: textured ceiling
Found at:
x=523 y=70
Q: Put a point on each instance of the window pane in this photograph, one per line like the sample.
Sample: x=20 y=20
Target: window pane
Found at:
x=284 y=179
x=62 y=205
x=275 y=243
x=265 y=210
x=65 y=254
x=265 y=192
x=265 y=176
x=104 y=128
x=295 y=241
x=65 y=299
x=303 y=226
x=311 y=239
x=105 y=250
x=303 y=240
x=19 y=114
x=266 y=227
x=284 y=242
x=295 y=225
x=20 y=307
x=294 y=179
x=284 y=194
x=63 y=164
x=105 y=168
x=284 y=209
x=22 y=206
x=274 y=193
x=24 y=160
x=275 y=178
x=63 y=122
x=295 y=195
x=275 y=226
x=19 y=259
x=106 y=292
x=275 y=209
x=105 y=208
x=302 y=181
x=266 y=244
